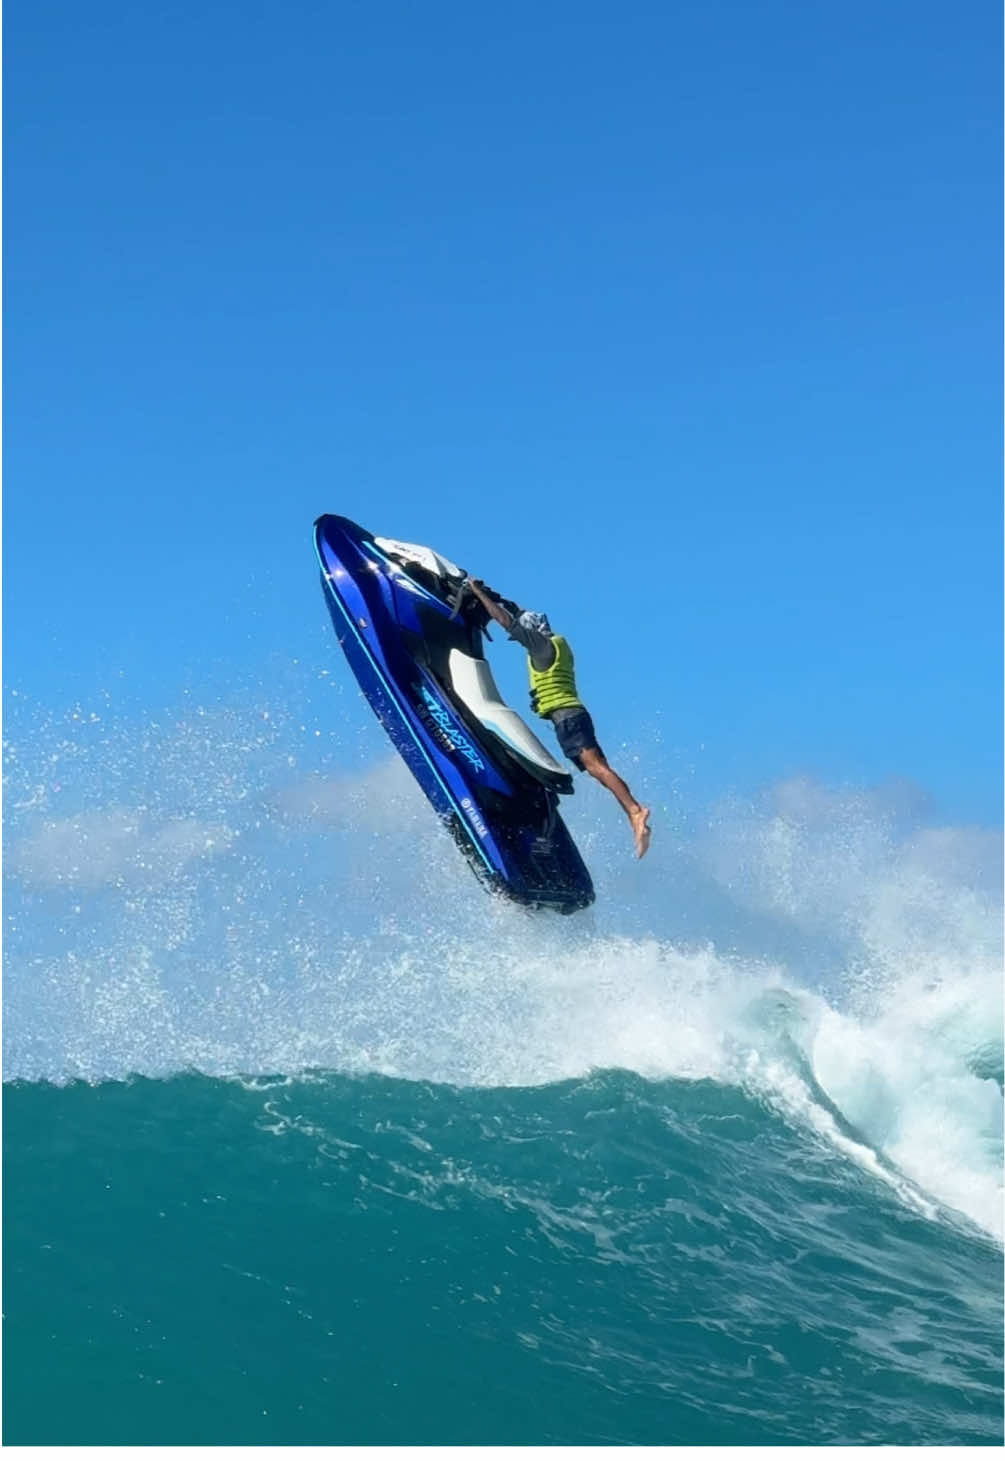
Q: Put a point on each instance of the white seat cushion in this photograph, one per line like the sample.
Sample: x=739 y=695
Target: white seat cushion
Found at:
x=473 y=682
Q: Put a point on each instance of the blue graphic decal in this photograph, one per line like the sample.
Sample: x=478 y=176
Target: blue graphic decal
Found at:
x=450 y=735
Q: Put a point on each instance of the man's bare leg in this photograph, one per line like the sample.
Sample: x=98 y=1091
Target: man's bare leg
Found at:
x=596 y=763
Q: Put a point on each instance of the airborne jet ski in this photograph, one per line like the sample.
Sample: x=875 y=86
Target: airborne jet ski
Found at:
x=413 y=635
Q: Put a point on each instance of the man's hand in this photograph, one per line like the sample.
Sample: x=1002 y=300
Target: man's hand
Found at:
x=495 y=609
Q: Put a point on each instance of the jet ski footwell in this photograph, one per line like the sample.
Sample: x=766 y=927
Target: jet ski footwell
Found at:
x=412 y=634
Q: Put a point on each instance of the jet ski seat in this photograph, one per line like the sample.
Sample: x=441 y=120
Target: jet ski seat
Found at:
x=474 y=685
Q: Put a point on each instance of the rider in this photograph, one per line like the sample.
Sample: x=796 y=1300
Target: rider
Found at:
x=553 y=695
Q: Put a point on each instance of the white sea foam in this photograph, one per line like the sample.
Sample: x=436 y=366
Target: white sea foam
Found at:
x=211 y=895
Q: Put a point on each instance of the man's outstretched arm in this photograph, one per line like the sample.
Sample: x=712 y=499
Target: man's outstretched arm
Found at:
x=492 y=606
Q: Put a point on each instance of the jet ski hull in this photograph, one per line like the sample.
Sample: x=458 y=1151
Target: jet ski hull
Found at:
x=397 y=625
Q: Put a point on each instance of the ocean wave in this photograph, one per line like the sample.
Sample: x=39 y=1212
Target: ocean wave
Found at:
x=365 y=1259
x=209 y=893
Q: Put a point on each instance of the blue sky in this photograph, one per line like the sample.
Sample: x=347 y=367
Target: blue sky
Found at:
x=679 y=321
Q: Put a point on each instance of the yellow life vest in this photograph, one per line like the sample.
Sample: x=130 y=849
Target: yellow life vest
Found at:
x=555 y=687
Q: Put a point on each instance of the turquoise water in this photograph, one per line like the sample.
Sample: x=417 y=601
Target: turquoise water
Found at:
x=307 y=1141
x=341 y=1259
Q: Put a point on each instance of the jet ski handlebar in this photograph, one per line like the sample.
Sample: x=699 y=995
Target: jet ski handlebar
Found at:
x=513 y=609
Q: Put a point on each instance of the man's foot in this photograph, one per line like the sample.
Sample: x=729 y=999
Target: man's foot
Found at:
x=640 y=830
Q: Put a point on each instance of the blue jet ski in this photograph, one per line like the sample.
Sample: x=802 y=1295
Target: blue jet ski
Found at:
x=413 y=634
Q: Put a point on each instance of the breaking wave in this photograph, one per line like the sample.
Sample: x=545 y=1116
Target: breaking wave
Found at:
x=226 y=890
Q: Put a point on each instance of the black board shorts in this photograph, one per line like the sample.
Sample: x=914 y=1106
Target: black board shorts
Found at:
x=575 y=732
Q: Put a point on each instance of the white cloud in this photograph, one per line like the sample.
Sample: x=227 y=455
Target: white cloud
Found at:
x=119 y=845
x=377 y=798
x=861 y=866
